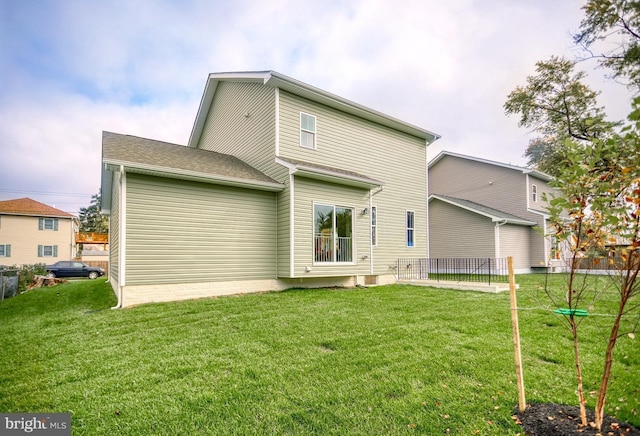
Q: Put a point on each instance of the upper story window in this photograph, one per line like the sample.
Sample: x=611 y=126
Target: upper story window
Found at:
x=410 y=228
x=534 y=193
x=48 y=224
x=307 y=131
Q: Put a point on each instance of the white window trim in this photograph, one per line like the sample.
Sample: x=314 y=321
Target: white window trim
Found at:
x=313 y=234
x=314 y=132
x=374 y=226
x=407 y=228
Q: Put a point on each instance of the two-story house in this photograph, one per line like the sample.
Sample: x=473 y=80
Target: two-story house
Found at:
x=482 y=208
x=280 y=185
x=33 y=232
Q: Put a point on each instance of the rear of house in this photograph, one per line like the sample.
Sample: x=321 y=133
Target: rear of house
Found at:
x=302 y=188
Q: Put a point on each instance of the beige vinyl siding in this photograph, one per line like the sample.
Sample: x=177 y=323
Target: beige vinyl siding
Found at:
x=241 y=123
x=514 y=242
x=395 y=158
x=308 y=192
x=22 y=233
x=181 y=232
x=114 y=231
x=456 y=232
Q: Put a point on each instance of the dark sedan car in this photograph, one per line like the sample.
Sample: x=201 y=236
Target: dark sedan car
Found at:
x=73 y=269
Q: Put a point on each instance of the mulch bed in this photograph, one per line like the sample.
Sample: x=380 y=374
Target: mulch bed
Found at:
x=556 y=419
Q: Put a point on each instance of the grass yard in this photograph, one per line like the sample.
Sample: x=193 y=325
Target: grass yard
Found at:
x=390 y=360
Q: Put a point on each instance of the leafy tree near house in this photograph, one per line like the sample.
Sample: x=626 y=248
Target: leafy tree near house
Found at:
x=91 y=218
x=600 y=191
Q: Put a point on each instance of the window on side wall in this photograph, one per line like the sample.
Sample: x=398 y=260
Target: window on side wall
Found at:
x=5 y=250
x=307 y=131
x=410 y=228
x=332 y=234
x=47 y=251
x=48 y=224
x=534 y=193
x=374 y=226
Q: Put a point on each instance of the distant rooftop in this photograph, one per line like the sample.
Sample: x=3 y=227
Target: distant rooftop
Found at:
x=29 y=207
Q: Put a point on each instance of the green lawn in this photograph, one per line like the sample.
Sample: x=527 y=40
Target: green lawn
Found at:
x=386 y=360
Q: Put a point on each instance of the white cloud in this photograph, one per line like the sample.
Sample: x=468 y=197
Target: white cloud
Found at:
x=74 y=69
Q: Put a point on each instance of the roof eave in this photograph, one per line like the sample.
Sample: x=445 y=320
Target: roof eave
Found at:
x=277 y=80
x=135 y=167
x=329 y=176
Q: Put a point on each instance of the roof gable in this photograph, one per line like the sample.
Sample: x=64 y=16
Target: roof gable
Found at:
x=28 y=207
x=523 y=170
x=277 y=80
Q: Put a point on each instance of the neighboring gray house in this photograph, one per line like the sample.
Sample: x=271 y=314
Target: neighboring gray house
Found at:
x=281 y=185
x=482 y=208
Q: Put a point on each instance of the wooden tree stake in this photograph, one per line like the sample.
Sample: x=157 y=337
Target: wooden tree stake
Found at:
x=522 y=402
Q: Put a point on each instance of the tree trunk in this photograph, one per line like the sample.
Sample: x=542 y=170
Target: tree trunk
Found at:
x=576 y=357
x=608 y=363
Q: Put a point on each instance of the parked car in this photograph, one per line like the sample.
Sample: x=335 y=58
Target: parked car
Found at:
x=73 y=269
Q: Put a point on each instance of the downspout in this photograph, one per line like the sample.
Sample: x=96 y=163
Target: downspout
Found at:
x=371 y=194
x=122 y=184
x=497 y=237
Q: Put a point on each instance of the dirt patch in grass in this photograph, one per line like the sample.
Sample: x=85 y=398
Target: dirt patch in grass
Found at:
x=549 y=419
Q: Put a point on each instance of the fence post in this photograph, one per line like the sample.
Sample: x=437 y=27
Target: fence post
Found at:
x=489 y=259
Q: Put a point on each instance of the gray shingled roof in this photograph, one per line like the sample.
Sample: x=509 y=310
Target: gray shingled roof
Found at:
x=494 y=214
x=147 y=154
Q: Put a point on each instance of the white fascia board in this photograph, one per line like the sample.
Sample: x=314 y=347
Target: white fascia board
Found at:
x=300 y=88
x=196 y=176
x=329 y=176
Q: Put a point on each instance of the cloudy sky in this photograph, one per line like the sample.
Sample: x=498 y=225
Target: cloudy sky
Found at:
x=70 y=69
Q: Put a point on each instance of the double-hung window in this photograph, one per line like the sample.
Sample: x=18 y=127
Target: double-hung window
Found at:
x=48 y=224
x=307 y=131
x=333 y=233
x=47 y=251
x=5 y=250
x=410 y=228
x=534 y=193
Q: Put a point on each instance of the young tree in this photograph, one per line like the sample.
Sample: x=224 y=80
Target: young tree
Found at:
x=616 y=22
x=558 y=106
x=91 y=218
x=599 y=205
